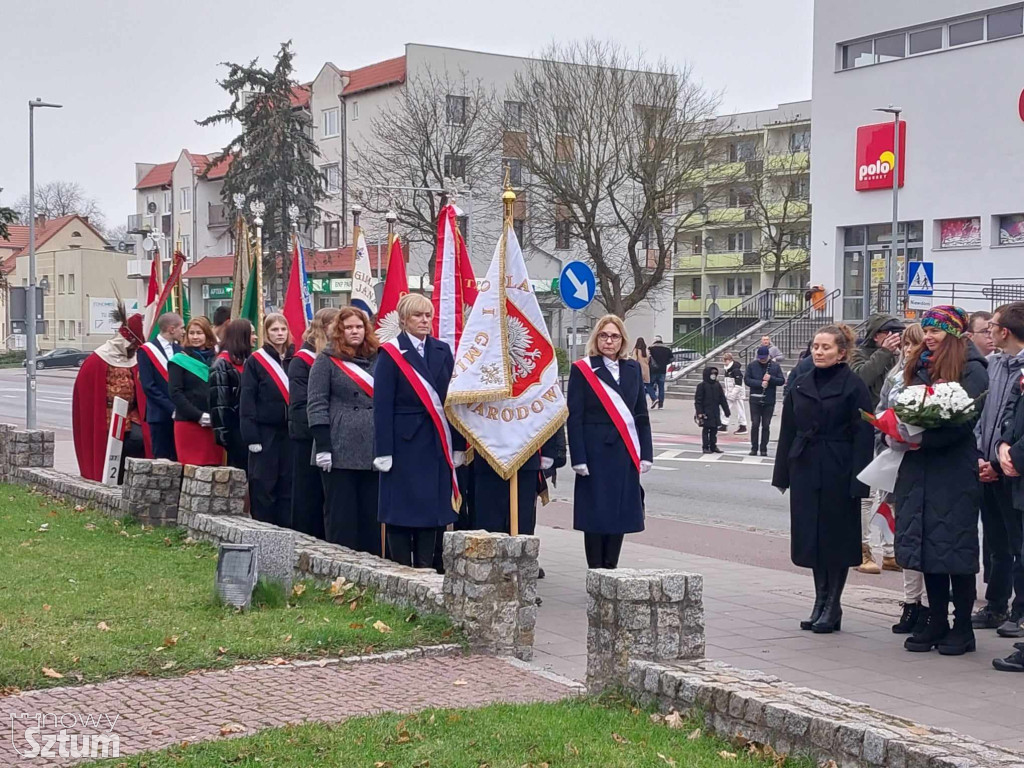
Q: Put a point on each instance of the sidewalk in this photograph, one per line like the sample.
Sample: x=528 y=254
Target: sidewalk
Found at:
x=752 y=616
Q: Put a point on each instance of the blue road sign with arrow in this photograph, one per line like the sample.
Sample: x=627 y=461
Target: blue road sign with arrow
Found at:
x=577 y=285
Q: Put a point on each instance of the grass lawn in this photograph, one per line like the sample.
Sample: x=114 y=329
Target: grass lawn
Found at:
x=581 y=733
x=86 y=598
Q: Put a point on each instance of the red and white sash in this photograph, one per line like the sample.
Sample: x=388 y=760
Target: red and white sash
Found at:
x=156 y=356
x=308 y=355
x=226 y=356
x=618 y=412
x=428 y=396
x=362 y=379
x=272 y=367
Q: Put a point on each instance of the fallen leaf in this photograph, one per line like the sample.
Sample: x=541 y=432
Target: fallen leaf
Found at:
x=287 y=638
x=382 y=764
x=424 y=764
x=298 y=589
x=353 y=605
x=355 y=625
x=103 y=626
x=381 y=627
x=694 y=735
x=830 y=764
x=278 y=662
x=674 y=720
x=431 y=720
x=570 y=747
x=337 y=586
x=43 y=528
x=46 y=607
x=460 y=682
x=302 y=620
x=667 y=760
x=79 y=508
x=27 y=543
x=727 y=755
x=123 y=532
x=222 y=650
x=168 y=542
x=170 y=640
x=229 y=728
x=90 y=527
x=169 y=665
x=619 y=739
x=411 y=617
x=52 y=673
x=657 y=719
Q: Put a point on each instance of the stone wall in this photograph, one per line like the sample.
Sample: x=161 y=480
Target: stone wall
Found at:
x=108 y=499
x=151 y=490
x=20 y=448
x=213 y=490
x=490 y=587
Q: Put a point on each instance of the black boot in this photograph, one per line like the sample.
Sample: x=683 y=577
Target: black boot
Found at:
x=960 y=639
x=908 y=621
x=831 y=619
x=932 y=634
x=820 y=595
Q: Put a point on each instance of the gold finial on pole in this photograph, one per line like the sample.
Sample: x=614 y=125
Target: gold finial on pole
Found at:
x=258 y=210
x=508 y=197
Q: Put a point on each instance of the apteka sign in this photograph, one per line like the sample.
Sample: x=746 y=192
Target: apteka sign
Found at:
x=876 y=156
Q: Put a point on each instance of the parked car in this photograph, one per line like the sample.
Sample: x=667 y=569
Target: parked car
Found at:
x=62 y=357
x=680 y=359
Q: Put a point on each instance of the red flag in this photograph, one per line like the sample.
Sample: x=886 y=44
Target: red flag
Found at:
x=294 y=311
x=467 y=279
x=153 y=292
x=396 y=285
x=175 y=276
x=454 y=283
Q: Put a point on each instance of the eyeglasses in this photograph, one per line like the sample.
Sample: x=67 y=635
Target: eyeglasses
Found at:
x=609 y=337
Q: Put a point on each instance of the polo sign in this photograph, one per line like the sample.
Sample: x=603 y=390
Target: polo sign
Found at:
x=876 y=156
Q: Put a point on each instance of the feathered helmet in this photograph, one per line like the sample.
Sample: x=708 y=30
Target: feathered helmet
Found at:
x=131 y=327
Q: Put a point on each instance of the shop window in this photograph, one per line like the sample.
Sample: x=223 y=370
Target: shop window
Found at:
x=1011 y=229
x=960 y=233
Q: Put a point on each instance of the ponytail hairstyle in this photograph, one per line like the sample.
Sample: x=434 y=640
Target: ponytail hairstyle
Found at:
x=844 y=338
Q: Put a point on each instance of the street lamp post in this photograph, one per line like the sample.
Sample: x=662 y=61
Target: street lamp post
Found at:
x=30 y=294
x=890 y=272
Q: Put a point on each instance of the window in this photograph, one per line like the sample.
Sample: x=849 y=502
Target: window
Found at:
x=561 y=119
x=186 y=199
x=858 y=54
x=186 y=246
x=695 y=287
x=966 y=32
x=646 y=238
x=740 y=241
x=800 y=141
x=891 y=47
x=739 y=286
x=740 y=197
x=455 y=166
x=332 y=179
x=329 y=123
x=60 y=329
x=514 y=115
x=698 y=198
x=1011 y=229
x=799 y=189
x=332 y=234
x=456 y=108
x=519 y=227
x=800 y=240
x=168 y=199
x=1005 y=23
x=562 y=230
x=515 y=171
x=960 y=233
x=741 y=151
x=71 y=329
x=71 y=283
x=60 y=284
x=355 y=110
x=926 y=40
x=698 y=245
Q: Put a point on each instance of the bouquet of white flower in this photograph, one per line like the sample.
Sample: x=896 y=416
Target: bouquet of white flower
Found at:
x=939 y=405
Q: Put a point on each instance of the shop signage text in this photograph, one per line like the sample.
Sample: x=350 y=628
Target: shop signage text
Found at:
x=876 y=157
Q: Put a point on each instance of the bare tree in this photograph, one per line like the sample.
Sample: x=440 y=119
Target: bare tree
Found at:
x=437 y=128
x=615 y=150
x=779 y=185
x=62 y=198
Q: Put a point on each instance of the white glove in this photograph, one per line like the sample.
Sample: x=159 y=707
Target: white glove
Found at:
x=383 y=463
x=645 y=466
x=204 y=420
x=546 y=462
x=323 y=460
x=458 y=458
x=255 y=448
x=581 y=470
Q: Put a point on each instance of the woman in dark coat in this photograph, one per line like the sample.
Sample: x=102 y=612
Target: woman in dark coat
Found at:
x=607 y=500
x=188 y=383
x=416 y=493
x=708 y=402
x=823 y=445
x=263 y=416
x=938 y=492
x=307 y=506
x=225 y=391
x=340 y=414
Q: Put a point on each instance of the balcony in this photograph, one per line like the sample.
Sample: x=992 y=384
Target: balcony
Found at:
x=699 y=306
x=727 y=216
x=142 y=223
x=217 y=216
x=730 y=262
x=139 y=268
x=788 y=162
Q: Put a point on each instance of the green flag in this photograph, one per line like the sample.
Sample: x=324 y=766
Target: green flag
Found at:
x=250 y=305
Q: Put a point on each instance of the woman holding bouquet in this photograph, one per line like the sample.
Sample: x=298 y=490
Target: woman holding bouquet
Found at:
x=823 y=445
x=938 y=493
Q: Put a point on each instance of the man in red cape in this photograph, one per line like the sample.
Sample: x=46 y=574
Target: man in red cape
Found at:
x=111 y=371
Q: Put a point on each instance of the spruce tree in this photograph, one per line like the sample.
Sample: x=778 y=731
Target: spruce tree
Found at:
x=7 y=216
x=272 y=157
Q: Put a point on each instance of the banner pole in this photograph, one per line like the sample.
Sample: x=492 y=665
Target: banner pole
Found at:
x=513 y=504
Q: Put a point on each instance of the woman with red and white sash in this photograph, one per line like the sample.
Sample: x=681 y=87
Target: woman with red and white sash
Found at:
x=340 y=411
x=263 y=417
x=416 y=451
x=308 y=505
x=226 y=390
x=609 y=443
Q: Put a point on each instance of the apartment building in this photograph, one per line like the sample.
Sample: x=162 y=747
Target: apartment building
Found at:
x=757 y=181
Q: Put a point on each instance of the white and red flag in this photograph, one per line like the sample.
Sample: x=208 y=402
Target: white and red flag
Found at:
x=298 y=304
x=454 y=283
x=396 y=285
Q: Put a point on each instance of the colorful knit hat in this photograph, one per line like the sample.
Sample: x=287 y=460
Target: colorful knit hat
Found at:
x=950 y=319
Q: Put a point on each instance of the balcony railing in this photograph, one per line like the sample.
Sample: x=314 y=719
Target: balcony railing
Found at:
x=143 y=222
x=217 y=216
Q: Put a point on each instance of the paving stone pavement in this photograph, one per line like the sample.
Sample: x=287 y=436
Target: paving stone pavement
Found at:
x=154 y=714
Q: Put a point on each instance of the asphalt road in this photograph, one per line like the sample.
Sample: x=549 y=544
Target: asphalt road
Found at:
x=53 y=398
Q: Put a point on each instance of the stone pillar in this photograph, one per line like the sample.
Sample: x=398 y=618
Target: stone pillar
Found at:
x=636 y=614
x=275 y=552
x=151 y=490
x=26 y=448
x=212 y=491
x=490 y=588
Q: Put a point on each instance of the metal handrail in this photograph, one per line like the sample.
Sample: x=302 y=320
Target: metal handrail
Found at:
x=766 y=304
x=821 y=312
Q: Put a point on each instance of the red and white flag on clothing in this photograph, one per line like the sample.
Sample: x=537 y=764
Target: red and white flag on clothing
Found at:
x=454 y=283
x=396 y=285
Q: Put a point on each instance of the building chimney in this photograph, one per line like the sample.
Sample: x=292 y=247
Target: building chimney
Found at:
x=40 y=219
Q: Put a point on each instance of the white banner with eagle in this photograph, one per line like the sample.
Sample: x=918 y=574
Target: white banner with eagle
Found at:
x=505 y=395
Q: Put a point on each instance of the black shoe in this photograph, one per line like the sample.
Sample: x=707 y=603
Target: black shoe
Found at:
x=1013 y=626
x=989 y=618
x=1012 y=663
x=716 y=449
x=741 y=431
x=908 y=621
x=931 y=635
x=764 y=453
x=960 y=639
x=723 y=428
x=540 y=573
x=705 y=449
x=820 y=596
x=831 y=619
x=753 y=452
x=922 y=620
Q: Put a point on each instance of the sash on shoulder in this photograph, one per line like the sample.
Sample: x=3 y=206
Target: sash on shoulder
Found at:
x=272 y=367
x=618 y=412
x=362 y=379
x=428 y=396
x=156 y=356
x=226 y=356
x=307 y=355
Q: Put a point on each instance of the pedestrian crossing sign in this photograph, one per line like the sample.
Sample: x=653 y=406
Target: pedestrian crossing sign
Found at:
x=922 y=278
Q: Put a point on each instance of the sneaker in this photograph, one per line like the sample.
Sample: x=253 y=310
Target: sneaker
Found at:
x=1012 y=663
x=1013 y=626
x=989 y=618
x=867 y=561
x=889 y=564
x=742 y=430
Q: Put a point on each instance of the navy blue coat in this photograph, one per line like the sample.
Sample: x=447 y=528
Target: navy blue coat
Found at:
x=610 y=499
x=417 y=492
x=158 y=397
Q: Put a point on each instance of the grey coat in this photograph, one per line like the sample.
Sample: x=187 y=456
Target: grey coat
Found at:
x=339 y=404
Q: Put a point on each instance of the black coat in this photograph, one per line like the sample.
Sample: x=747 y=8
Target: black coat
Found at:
x=298 y=385
x=755 y=375
x=823 y=444
x=609 y=500
x=225 y=390
x=1012 y=433
x=938 y=493
x=709 y=400
x=260 y=404
x=189 y=393
x=159 y=407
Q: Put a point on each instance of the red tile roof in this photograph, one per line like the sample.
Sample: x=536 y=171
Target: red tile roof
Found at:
x=45 y=231
x=219 y=171
x=212 y=266
x=377 y=75
x=158 y=176
x=8 y=265
x=301 y=95
x=19 y=237
x=338 y=259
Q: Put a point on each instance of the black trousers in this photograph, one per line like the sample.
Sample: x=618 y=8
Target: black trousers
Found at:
x=709 y=437
x=134 y=448
x=1002 y=529
x=161 y=435
x=270 y=478
x=492 y=501
x=412 y=546
x=760 y=423
x=308 y=504
x=602 y=549
x=963 y=593
x=350 y=513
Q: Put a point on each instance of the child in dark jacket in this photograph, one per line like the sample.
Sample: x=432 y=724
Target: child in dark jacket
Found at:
x=709 y=401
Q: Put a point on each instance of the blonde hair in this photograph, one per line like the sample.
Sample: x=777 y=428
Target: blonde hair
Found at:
x=592 y=349
x=913 y=335
x=271 y=320
x=316 y=333
x=411 y=304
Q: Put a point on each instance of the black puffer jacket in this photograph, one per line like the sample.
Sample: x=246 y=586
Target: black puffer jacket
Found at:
x=298 y=386
x=709 y=400
x=225 y=387
x=938 y=493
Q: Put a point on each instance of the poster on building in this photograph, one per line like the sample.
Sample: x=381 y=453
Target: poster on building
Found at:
x=101 y=315
x=1011 y=229
x=960 y=233
x=877 y=271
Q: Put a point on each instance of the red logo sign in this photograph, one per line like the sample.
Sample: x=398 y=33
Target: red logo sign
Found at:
x=876 y=156
x=1020 y=105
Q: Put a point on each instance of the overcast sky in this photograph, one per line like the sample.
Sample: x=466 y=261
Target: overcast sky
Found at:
x=134 y=77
